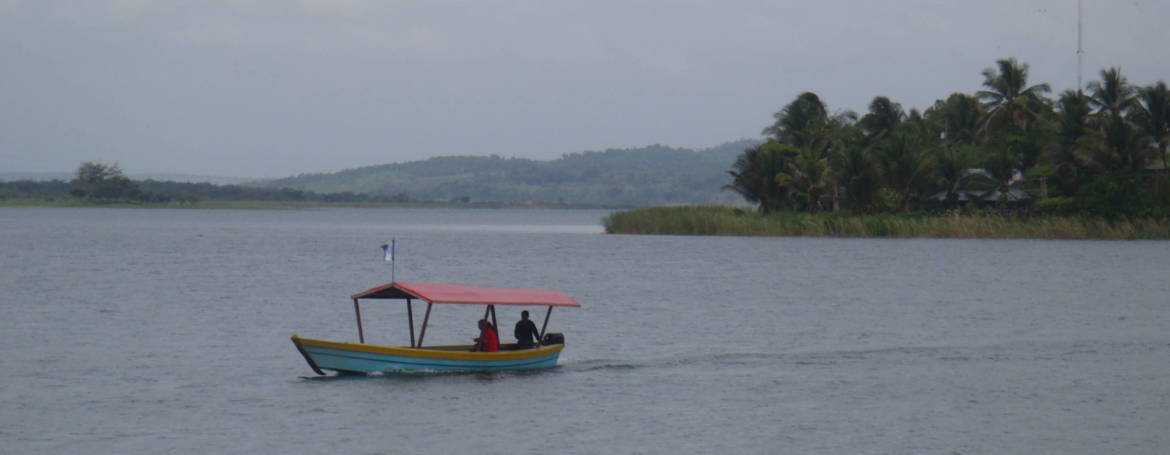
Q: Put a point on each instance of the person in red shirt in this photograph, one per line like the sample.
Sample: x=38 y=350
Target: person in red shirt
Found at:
x=487 y=341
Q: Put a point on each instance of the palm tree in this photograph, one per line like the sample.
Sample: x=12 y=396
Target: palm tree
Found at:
x=1072 y=117
x=884 y=115
x=797 y=122
x=903 y=165
x=1114 y=98
x=952 y=169
x=1030 y=145
x=840 y=132
x=1001 y=164
x=1128 y=143
x=958 y=116
x=1009 y=100
x=854 y=172
x=1153 y=114
x=754 y=175
x=807 y=175
x=1073 y=125
x=1112 y=94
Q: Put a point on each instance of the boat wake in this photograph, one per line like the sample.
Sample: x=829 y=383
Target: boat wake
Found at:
x=996 y=352
x=670 y=361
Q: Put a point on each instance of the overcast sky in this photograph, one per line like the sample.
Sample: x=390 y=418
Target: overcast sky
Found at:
x=270 y=88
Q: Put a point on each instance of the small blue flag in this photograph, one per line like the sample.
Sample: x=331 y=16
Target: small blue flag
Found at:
x=388 y=252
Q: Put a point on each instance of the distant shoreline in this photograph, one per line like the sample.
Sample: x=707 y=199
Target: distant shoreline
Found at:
x=290 y=205
x=730 y=221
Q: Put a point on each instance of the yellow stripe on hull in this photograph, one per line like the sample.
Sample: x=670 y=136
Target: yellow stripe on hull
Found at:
x=457 y=352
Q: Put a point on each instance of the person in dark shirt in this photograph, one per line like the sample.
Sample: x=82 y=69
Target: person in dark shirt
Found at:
x=526 y=333
x=487 y=341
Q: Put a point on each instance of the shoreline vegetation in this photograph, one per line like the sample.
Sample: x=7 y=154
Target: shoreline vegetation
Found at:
x=103 y=185
x=732 y=221
x=1006 y=161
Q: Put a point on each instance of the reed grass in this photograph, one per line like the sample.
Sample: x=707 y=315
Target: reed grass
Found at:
x=722 y=220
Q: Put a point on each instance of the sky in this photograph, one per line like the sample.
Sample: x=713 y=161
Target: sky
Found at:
x=273 y=88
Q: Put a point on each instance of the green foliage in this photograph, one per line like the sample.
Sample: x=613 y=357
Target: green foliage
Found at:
x=799 y=121
x=1001 y=149
x=1010 y=101
x=1067 y=155
x=903 y=162
x=884 y=116
x=953 y=163
x=1112 y=95
x=1115 y=196
x=959 y=117
x=31 y=189
x=807 y=176
x=857 y=177
x=758 y=174
x=1152 y=114
x=102 y=183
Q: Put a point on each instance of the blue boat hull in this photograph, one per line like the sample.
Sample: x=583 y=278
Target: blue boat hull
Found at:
x=365 y=358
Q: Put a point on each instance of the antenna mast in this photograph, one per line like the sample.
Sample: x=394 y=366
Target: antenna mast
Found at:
x=1080 y=48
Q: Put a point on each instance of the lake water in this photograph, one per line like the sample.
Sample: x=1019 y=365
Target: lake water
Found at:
x=167 y=331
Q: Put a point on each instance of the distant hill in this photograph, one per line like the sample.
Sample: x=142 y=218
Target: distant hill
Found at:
x=651 y=175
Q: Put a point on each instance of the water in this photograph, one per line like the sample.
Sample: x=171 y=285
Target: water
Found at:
x=166 y=331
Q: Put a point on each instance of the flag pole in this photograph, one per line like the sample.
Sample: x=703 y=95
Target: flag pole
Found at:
x=388 y=254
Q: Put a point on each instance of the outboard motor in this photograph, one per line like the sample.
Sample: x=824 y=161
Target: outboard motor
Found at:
x=553 y=338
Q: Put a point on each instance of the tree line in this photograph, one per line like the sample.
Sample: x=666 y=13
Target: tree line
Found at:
x=100 y=183
x=1100 y=151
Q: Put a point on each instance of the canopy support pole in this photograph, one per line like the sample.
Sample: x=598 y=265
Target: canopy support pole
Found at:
x=358 y=311
x=423 y=332
x=410 y=318
x=545 y=326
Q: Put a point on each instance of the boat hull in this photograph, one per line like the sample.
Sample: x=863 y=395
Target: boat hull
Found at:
x=345 y=357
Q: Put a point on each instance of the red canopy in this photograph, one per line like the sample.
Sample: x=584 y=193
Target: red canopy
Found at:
x=458 y=293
